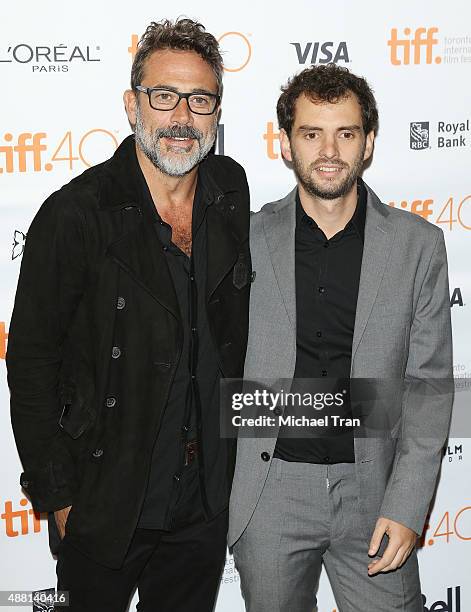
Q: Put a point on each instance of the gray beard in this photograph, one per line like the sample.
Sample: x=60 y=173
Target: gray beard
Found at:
x=178 y=164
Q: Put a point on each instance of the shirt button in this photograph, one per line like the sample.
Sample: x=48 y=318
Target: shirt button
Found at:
x=116 y=352
x=321 y=289
x=121 y=303
x=319 y=334
x=165 y=248
x=110 y=401
x=324 y=372
x=192 y=278
x=161 y=222
x=265 y=456
x=193 y=329
x=327 y=459
x=176 y=477
x=193 y=377
x=326 y=245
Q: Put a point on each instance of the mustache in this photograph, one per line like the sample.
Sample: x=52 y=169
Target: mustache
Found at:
x=329 y=162
x=179 y=131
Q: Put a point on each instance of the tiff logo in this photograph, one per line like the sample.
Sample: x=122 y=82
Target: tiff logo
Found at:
x=422 y=38
x=15 y=519
x=28 y=146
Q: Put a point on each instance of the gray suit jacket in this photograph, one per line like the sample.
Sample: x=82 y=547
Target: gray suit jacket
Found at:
x=402 y=329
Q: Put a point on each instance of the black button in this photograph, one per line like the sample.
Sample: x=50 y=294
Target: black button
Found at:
x=265 y=456
x=193 y=377
x=192 y=278
x=97 y=453
x=193 y=329
x=110 y=401
x=278 y=411
x=324 y=372
x=326 y=245
x=319 y=334
x=121 y=303
x=327 y=459
x=185 y=428
x=116 y=352
x=321 y=289
x=25 y=484
x=161 y=222
x=165 y=248
x=231 y=207
x=176 y=477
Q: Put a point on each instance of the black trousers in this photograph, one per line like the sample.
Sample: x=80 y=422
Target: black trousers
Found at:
x=174 y=571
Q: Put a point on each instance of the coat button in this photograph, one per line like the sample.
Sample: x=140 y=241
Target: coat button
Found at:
x=25 y=484
x=116 y=352
x=110 y=401
x=121 y=303
x=265 y=456
x=97 y=453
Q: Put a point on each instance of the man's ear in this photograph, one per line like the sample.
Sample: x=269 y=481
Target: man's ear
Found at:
x=130 y=103
x=369 y=145
x=285 y=145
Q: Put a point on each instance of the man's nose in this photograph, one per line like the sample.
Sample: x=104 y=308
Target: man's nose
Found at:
x=329 y=148
x=182 y=113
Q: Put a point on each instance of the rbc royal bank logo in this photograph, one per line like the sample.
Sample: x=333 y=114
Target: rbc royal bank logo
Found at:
x=419 y=135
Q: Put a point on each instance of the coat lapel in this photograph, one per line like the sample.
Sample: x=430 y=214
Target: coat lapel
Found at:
x=138 y=253
x=279 y=226
x=379 y=238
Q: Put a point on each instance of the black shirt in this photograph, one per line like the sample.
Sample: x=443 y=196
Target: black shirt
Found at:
x=194 y=393
x=327 y=281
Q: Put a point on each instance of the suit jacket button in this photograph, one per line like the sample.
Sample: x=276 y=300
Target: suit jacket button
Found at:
x=97 y=453
x=265 y=456
x=121 y=303
x=110 y=402
x=116 y=352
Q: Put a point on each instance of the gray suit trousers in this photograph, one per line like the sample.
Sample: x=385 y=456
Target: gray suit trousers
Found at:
x=307 y=515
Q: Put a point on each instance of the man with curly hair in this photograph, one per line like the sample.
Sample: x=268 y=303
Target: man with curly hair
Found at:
x=346 y=288
x=132 y=303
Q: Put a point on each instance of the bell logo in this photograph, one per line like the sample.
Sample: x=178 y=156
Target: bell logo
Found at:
x=26 y=144
x=445 y=606
x=20 y=519
x=422 y=38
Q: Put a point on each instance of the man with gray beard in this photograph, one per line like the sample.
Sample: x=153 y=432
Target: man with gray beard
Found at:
x=132 y=303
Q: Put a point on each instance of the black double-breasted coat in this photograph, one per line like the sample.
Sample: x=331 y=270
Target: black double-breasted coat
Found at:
x=95 y=306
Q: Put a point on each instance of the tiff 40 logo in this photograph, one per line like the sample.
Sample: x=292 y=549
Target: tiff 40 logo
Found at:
x=448 y=527
x=456 y=210
x=31 y=152
x=236 y=47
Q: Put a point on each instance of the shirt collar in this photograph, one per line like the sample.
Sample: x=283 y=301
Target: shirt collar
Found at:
x=358 y=218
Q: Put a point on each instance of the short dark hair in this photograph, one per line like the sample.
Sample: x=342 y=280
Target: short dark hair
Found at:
x=327 y=83
x=182 y=35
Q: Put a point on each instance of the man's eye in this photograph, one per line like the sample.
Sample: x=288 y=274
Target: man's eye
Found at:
x=200 y=100
x=311 y=135
x=347 y=135
x=163 y=97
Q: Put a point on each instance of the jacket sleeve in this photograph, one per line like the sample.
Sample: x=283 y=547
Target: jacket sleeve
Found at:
x=51 y=283
x=427 y=400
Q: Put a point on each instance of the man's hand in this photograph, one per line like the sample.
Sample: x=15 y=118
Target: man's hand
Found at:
x=402 y=541
x=61 y=519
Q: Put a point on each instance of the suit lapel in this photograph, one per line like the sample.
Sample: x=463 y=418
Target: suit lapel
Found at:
x=379 y=238
x=139 y=254
x=279 y=227
x=222 y=245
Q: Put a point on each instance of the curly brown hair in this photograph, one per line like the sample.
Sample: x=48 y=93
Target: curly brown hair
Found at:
x=327 y=83
x=182 y=34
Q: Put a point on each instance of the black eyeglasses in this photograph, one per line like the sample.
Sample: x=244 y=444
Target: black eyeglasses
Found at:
x=167 y=100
